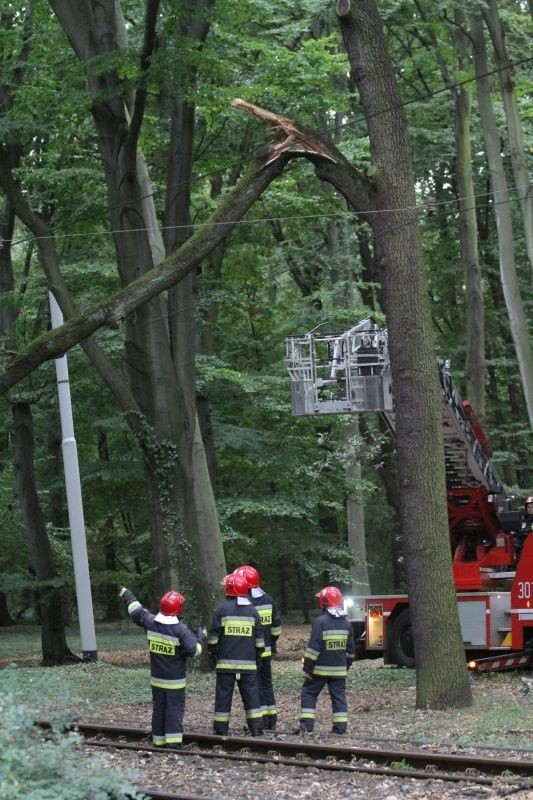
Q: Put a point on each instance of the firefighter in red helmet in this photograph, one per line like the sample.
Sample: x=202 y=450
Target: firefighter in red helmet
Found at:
x=271 y=621
x=170 y=643
x=235 y=643
x=327 y=659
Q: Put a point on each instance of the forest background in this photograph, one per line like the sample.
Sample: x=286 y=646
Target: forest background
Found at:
x=182 y=415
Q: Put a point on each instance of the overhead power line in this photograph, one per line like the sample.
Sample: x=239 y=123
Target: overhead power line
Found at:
x=327 y=131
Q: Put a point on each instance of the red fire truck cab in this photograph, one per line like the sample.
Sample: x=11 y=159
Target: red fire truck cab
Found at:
x=496 y=621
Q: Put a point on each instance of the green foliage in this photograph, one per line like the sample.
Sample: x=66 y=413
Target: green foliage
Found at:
x=279 y=480
x=41 y=766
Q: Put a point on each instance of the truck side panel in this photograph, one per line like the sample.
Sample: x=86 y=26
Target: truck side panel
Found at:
x=522 y=598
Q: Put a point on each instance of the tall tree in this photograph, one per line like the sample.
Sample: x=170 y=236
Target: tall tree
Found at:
x=55 y=650
x=442 y=679
x=475 y=363
x=508 y=270
x=179 y=494
x=517 y=149
x=329 y=165
x=51 y=598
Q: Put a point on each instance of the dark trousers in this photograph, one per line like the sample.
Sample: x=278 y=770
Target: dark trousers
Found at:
x=167 y=716
x=266 y=693
x=249 y=691
x=337 y=691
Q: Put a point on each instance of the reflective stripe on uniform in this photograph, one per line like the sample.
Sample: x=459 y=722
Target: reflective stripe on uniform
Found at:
x=168 y=683
x=342 y=717
x=162 y=637
x=237 y=619
x=330 y=672
x=173 y=738
x=254 y=713
x=237 y=666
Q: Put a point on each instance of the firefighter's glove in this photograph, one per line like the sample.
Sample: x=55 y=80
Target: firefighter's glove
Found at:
x=201 y=636
x=308 y=667
x=259 y=656
x=212 y=657
x=349 y=662
x=122 y=592
x=274 y=647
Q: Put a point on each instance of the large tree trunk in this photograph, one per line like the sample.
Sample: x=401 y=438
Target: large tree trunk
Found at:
x=50 y=599
x=50 y=612
x=502 y=210
x=195 y=488
x=174 y=489
x=442 y=678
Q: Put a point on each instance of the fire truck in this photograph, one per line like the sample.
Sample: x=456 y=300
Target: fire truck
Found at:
x=492 y=562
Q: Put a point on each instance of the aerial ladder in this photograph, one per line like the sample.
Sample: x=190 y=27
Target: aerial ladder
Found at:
x=350 y=373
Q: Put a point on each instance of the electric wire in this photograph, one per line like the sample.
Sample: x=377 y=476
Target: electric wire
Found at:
x=436 y=92
x=237 y=291
x=289 y=218
x=421 y=207
x=324 y=132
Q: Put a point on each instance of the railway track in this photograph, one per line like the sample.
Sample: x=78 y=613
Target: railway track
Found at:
x=420 y=764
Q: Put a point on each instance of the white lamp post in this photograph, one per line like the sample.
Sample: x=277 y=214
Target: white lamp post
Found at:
x=74 y=500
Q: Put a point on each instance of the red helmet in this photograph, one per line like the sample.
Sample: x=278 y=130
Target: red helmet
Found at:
x=250 y=574
x=329 y=597
x=235 y=585
x=171 y=604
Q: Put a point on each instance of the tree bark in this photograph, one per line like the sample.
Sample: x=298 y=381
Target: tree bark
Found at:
x=54 y=646
x=442 y=679
x=195 y=487
x=159 y=358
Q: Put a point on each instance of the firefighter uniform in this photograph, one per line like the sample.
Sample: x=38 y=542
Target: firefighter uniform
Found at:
x=235 y=642
x=526 y=524
x=328 y=657
x=170 y=642
x=271 y=622
x=526 y=527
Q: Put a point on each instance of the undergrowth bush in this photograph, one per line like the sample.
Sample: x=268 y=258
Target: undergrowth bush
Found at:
x=45 y=765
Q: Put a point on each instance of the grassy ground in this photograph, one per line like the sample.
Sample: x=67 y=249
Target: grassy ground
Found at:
x=381 y=699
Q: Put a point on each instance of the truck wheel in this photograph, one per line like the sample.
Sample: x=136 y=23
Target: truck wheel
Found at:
x=401 y=644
